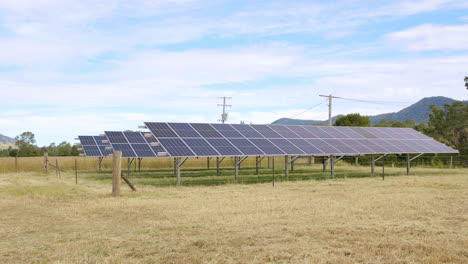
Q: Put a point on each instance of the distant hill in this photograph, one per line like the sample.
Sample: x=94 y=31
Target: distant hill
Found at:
x=6 y=142
x=419 y=112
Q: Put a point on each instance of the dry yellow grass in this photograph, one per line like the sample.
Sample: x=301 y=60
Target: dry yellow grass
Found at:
x=404 y=219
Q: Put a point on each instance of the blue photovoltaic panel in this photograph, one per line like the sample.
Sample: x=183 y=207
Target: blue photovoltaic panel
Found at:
x=284 y=131
x=373 y=146
x=399 y=144
x=151 y=139
x=419 y=148
x=363 y=132
x=247 y=131
x=200 y=147
x=266 y=146
x=224 y=147
x=305 y=146
x=342 y=147
x=184 y=130
x=302 y=132
x=334 y=131
x=318 y=132
x=134 y=137
x=206 y=130
x=350 y=133
x=323 y=146
x=105 y=150
x=126 y=149
x=143 y=150
x=87 y=140
x=286 y=146
x=387 y=145
x=92 y=151
x=354 y=144
x=289 y=140
x=245 y=146
x=266 y=131
x=100 y=140
x=176 y=147
x=160 y=129
x=227 y=131
x=116 y=137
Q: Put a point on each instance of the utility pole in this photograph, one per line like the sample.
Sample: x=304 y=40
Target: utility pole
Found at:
x=329 y=107
x=224 y=105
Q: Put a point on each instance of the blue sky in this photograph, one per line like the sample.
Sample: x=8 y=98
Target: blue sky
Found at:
x=81 y=67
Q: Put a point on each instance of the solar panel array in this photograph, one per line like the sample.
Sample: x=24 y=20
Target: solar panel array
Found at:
x=205 y=140
x=132 y=144
x=95 y=146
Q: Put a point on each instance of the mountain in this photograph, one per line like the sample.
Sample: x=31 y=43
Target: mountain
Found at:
x=6 y=140
x=419 y=112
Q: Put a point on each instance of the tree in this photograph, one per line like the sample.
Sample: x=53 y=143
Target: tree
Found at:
x=450 y=125
x=25 y=143
x=353 y=120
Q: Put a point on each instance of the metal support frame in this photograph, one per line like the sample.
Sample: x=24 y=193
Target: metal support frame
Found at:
x=139 y=164
x=409 y=160
x=258 y=161
x=237 y=163
x=324 y=163
x=218 y=162
x=178 y=163
x=333 y=161
x=288 y=161
x=373 y=163
x=208 y=162
x=129 y=164
x=100 y=159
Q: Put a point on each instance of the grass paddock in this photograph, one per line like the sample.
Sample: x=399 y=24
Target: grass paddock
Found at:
x=419 y=218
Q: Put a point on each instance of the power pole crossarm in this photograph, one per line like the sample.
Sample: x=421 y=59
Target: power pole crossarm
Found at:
x=329 y=107
x=224 y=105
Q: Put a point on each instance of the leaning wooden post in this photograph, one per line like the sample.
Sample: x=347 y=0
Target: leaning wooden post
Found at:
x=46 y=163
x=116 y=172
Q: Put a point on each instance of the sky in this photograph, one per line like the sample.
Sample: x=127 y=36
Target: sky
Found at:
x=70 y=68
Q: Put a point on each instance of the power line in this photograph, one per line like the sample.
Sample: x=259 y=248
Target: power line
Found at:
x=309 y=109
x=390 y=103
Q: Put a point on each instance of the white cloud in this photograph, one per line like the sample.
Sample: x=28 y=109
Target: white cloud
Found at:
x=432 y=37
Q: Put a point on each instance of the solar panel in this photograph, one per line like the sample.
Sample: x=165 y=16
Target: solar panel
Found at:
x=284 y=131
x=305 y=146
x=227 y=131
x=266 y=146
x=202 y=139
x=160 y=129
x=266 y=131
x=116 y=137
x=246 y=147
x=143 y=150
x=286 y=146
x=184 y=130
x=224 y=147
x=87 y=140
x=92 y=151
x=176 y=147
x=247 y=131
x=206 y=130
x=302 y=132
x=200 y=147
x=126 y=149
x=134 y=137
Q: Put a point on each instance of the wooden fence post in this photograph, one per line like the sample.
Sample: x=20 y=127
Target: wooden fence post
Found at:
x=46 y=163
x=116 y=172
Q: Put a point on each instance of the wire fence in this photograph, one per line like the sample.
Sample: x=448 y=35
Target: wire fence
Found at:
x=202 y=171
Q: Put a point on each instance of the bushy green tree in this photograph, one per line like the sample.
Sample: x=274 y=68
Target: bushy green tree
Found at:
x=353 y=120
x=25 y=143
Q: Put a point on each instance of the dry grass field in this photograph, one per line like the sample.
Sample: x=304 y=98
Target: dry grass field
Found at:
x=404 y=219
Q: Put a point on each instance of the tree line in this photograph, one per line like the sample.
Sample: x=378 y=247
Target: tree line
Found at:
x=26 y=147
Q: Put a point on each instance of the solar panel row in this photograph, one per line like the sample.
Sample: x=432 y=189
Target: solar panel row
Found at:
x=194 y=139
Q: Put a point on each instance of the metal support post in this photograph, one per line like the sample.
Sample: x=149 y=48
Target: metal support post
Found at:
x=129 y=164
x=286 y=167
x=273 y=175
x=208 y=162
x=238 y=161
x=218 y=162
x=372 y=165
x=332 y=167
x=356 y=161
x=258 y=161
x=178 y=163
x=324 y=163
x=408 y=164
